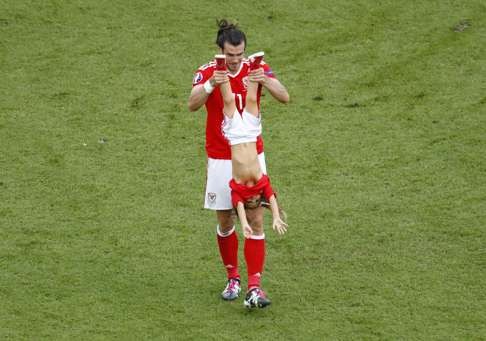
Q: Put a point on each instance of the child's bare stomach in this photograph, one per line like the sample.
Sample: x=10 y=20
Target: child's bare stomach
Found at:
x=246 y=167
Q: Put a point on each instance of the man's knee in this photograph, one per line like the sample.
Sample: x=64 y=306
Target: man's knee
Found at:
x=225 y=220
x=255 y=219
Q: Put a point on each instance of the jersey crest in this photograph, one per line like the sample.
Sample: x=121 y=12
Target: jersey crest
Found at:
x=245 y=81
x=197 y=78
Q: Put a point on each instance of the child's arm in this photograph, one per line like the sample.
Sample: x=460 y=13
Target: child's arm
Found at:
x=240 y=208
x=278 y=225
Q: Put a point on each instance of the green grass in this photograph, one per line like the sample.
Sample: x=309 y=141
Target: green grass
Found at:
x=379 y=160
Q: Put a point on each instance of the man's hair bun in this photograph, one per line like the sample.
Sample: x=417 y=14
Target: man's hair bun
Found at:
x=230 y=33
x=224 y=24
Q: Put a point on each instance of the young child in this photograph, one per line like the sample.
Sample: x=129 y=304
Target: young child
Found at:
x=249 y=183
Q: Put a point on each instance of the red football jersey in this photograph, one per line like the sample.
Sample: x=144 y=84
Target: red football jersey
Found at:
x=217 y=146
x=242 y=193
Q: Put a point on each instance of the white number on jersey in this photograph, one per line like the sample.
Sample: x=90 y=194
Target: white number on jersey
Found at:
x=239 y=102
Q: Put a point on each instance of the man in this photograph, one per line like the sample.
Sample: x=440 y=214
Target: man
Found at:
x=232 y=43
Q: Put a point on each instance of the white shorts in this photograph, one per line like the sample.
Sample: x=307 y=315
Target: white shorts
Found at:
x=218 y=192
x=242 y=128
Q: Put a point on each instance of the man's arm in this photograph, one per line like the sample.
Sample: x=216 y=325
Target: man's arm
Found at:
x=276 y=89
x=197 y=98
x=273 y=85
x=199 y=93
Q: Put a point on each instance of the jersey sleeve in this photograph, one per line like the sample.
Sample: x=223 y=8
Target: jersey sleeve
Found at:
x=267 y=189
x=268 y=70
x=202 y=74
x=236 y=198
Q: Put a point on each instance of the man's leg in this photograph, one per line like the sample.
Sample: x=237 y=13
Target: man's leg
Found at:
x=255 y=260
x=228 y=242
x=218 y=199
x=255 y=247
x=228 y=249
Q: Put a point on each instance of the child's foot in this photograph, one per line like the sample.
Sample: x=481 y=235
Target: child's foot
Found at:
x=220 y=62
x=256 y=60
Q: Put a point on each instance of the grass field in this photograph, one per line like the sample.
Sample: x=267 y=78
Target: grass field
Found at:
x=379 y=160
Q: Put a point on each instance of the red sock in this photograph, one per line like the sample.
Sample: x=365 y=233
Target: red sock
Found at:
x=228 y=248
x=255 y=259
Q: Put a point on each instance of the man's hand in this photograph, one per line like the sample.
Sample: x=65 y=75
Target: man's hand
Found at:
x=218 y=78
x=257 y=76
x=200 y=93
x=279 y=226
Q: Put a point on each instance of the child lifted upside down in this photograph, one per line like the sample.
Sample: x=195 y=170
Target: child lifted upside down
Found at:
x=249 y=183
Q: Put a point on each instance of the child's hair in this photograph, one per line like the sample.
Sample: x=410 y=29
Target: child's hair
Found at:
x=263 y=203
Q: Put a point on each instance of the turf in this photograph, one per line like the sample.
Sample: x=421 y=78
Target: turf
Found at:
x=379 y=160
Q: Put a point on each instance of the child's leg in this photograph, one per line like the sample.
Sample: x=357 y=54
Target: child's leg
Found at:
x=228 y=99
x=251 y=98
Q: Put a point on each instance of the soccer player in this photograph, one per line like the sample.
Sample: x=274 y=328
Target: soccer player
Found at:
x=207 y=80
